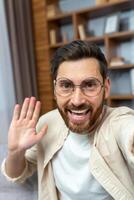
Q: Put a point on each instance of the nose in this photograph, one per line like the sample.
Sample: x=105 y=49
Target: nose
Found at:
x=77 y=98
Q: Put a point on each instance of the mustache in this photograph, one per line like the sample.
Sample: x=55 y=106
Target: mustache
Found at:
x=80 y=107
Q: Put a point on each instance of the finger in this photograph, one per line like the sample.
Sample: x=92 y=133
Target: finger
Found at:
x=36 y=113
x=24 y=108
x=41 y=134
x=16 y=112
x=31 y=108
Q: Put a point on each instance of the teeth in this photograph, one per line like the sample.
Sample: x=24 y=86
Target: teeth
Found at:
x=79 y=111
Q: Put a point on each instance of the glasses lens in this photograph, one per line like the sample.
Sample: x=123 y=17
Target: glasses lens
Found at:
x=91 y=87
x=64 y=87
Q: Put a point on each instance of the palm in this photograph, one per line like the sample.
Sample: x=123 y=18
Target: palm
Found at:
x=22 y=132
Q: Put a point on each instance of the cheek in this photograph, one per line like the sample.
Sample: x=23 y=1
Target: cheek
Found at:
x=61 y=102
x=97 y=101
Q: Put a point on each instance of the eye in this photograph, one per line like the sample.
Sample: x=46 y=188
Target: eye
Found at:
x=90 y=84
x=65 y=84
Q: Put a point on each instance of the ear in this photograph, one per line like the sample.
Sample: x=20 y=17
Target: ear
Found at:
x=54 y=89
x=107 y=85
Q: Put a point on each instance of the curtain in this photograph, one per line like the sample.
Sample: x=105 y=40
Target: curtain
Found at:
x=19 y=19
x=7 y=92
x=17 y=80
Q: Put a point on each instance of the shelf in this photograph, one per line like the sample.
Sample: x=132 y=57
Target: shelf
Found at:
x=125 y=35
x=96 y=11
x=97 y=39
x=60 y=17
x=121 y=97
x=125 y=66
x=106 y=9
x=101 y=39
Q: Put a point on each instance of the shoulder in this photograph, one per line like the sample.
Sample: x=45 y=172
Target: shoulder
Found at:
x=123 y=119
x=119 y=112
x=117 y=119
x=116 y=122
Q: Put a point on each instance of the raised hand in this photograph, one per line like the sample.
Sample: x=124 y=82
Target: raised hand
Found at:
x=22 y=132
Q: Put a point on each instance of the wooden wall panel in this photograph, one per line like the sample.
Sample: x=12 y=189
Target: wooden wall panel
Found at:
x=44 y=80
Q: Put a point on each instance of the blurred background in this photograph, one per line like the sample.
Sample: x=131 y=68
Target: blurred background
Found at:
x=31 y=31
x=17 y=80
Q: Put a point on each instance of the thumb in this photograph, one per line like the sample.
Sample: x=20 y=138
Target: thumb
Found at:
x=41 y=134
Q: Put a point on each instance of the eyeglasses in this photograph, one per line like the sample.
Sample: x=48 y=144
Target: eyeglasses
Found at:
x=90 y=87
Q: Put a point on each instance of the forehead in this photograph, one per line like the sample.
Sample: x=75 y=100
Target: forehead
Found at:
x=80 y=69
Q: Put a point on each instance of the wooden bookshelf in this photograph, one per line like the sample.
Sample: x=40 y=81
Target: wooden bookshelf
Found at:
x=121 y=97
x=121 y=67
x=42 y=25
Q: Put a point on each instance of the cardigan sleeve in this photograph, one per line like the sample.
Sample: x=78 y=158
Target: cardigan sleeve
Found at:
x=27 y=172
x=30 y=167
x=123 y=127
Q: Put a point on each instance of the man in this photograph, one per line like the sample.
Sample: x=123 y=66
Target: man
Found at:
x=84 y=150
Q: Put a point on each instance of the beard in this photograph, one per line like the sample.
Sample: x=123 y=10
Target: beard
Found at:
x=89 y=124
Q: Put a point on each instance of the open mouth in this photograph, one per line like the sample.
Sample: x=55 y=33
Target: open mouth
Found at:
x=79 y=112
x=79 y=116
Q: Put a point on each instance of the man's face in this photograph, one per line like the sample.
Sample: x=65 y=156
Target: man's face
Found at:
x=80 y=112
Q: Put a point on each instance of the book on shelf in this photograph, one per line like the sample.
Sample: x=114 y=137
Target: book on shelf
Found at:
x=117 y=61
x=82 y=32
x=53 y=39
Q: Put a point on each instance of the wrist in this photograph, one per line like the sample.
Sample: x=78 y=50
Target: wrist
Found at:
x=16 y=154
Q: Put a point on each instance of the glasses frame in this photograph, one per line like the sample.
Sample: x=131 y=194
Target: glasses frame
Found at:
x=74 y=86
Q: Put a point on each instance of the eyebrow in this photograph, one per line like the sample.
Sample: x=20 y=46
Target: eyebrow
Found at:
x=81 y=80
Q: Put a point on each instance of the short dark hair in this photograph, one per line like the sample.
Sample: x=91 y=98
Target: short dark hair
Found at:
x=76 y=50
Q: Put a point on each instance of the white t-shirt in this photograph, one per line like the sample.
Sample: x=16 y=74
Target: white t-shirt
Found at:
x=72 y=171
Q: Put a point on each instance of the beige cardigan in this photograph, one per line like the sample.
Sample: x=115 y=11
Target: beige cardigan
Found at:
x=111 y=161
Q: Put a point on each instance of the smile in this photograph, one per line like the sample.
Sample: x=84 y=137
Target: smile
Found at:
x=79 y=116
x=79 y=112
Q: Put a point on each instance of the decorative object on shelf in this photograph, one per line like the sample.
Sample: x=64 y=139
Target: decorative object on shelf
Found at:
x=101 y=2
x=112 y=23
x=53 y=39
x=117 y=61
x=82 y=32
x=52 y=10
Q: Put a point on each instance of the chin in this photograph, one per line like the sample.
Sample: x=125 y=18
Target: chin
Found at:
x=78 y=128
